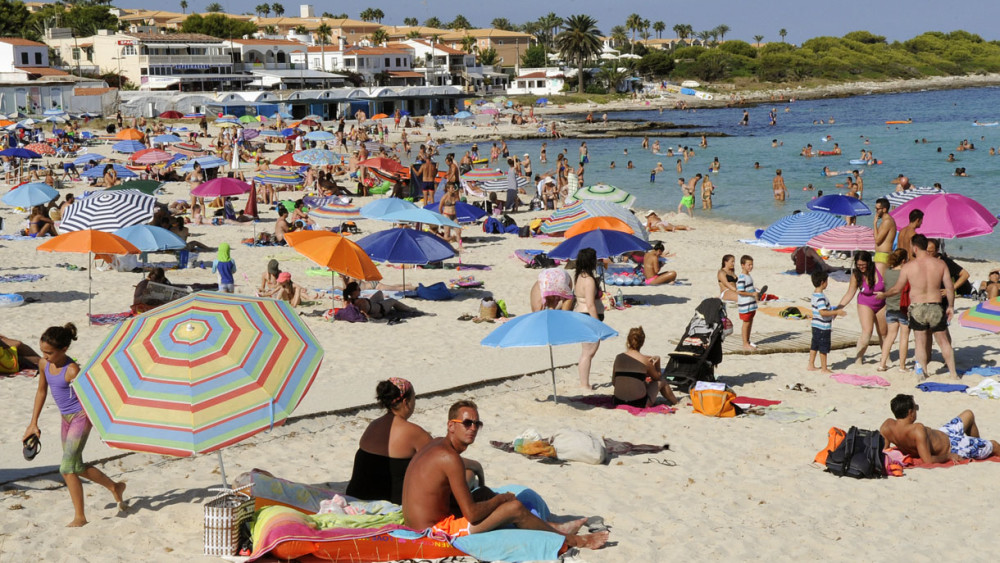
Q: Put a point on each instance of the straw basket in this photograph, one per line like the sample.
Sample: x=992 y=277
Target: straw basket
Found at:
x=224 y=518
x=487 y=309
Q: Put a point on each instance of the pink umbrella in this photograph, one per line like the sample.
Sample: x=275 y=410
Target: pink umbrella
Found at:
x=490 y=111
x=151 y=156
x=222 y=187
x=846 y=237
x=947 y=216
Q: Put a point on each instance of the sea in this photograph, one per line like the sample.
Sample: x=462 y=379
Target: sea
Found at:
x=941 y=120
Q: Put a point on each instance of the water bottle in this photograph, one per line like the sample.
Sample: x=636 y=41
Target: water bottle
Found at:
x=619 y=298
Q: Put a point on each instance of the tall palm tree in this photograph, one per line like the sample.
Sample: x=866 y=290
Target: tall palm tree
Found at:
x=619 y=36
x=552 y=23
x=683 y=31
x=757 y=39
x=468 y=42
x=580 y=40
x=378 y=15
x=704 y=36
x=379 y=36
x=184 y=6
x=278 y=9
x=432 y=21
x=612 y=76
x=410 y=22
x=263 y=10
x=367 y=15
x=323 y=36
x=633 y=22
x=782 y=32
x=659 y=27
x=502 y=24
x=723 y=29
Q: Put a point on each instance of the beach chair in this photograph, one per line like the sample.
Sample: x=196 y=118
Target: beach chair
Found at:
x=157 y=294
x=700 y=348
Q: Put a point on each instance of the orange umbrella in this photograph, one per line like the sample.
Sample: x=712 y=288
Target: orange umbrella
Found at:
x=89 y=242
x=592 y=223
x=336 y=252
x=379 y=116
x=130 y=134
x=5 y=122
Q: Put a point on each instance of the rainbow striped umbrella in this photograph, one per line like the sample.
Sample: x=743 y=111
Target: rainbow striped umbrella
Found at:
x=330 y=208
x=985 y=316
x=564 y=218
x=199 y=374
x=278 y=176
x=483 y=175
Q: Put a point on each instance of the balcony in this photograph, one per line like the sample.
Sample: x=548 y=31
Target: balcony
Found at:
x=174 y=60
x=247 y=67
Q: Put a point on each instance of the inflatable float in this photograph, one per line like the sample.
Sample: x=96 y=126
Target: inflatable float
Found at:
x=827 y=153
x=990 y=124
x=11 y=300
x=862 y=161
x=899 y=122
x=624 y=274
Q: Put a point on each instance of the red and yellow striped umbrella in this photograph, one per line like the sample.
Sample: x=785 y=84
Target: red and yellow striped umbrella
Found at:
x=199 y=374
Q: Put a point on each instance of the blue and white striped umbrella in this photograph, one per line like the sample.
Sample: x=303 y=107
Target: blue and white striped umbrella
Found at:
x=798 y=228
x=168 y=138
x=108 y=211
x=87 y=158
x=317 y=157
x=320 y=136
x=54 y=111
x=127 y=146
x=899 y=198
x=98 y=171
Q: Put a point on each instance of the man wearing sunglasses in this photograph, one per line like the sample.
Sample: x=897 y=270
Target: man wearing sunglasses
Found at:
x=436 y=494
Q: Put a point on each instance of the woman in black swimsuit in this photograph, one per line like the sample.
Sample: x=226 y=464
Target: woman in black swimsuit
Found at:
x=636 y=376
x=727 y=278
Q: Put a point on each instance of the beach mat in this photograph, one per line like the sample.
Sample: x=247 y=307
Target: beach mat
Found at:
x=608 y=402
x=786 y=342
x=100 y=319
x=31 y=372
x=15 y=278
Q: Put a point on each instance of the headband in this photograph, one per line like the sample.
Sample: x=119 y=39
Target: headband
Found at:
x=404 y=386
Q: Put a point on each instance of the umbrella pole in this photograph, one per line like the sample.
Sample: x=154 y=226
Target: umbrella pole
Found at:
x=222 y=469
x=404 y=278
x=333 y=287
x=552 y=364
x=90 y=286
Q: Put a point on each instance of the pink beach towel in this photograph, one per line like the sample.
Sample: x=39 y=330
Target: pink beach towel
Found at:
x=860 y=380
x=753 y=402
x=608 y=402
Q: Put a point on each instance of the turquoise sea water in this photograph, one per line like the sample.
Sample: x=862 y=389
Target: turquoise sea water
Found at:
x=943 y=118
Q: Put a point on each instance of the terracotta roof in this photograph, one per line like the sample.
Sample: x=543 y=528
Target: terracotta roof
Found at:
x=42 y=70
x=324 y=49
x=150 y=15
x=485 y=32
x=21 y=42
x=535 y=75
x=174 y=37
x=92 y=91
x=406 y=74
x=268 y=42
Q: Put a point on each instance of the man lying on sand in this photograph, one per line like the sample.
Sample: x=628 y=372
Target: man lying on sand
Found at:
x=435 y=483
x=957 y=440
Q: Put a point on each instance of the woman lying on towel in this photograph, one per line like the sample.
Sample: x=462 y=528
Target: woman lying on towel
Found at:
x=389 y=443
x=636 y=376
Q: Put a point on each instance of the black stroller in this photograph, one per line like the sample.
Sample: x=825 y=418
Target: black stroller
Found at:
x=700 y=349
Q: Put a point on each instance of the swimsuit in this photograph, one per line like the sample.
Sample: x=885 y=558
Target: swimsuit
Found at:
x=75 y=424
x=963 y=445
x=867 y=297
x=687 y=201
x=927 y=317
x=881 y=257
x=377 y=477
x=453 y=527
x=626 y=366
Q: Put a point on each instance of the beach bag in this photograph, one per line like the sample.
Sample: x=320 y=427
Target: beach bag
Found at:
x=508 y=221
x=434 y=292
x=859 y=455
x=487 y=309
x=834 y=437
x=524 y=232
x=713 y=399
x=577 y=445
x=492 y=226
x=541 y=261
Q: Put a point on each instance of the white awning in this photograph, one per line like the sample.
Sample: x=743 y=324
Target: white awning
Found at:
x=167 y=45
x=160 y=84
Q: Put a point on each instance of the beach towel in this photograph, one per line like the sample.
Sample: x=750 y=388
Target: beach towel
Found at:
x=29 y=372
x=915 y=462
x=754 y=402
x=988 y=388
x=613 y=448
x=786 y=415
x=15 y=278
x=608 y=402
x=434 y=292
x=860 y=380
x=16 y=237
x=464 y=282
x=942 y=387
x=985 y=371
x=109 y=318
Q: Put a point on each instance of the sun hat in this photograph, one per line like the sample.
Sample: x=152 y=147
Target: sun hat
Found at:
x=555 y=282
x=284 y=276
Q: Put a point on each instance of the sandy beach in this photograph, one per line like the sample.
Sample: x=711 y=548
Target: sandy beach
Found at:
x=740 y=488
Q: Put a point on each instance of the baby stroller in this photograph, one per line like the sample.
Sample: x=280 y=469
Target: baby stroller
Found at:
x=700 y=349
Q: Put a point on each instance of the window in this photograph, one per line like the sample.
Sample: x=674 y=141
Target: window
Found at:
x=128 y=50
x=24 y=58
x=76 y=54
x=398 y=63
x=38 y=58
x=387 y=63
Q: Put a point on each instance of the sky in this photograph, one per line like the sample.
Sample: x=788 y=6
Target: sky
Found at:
x=803 y=19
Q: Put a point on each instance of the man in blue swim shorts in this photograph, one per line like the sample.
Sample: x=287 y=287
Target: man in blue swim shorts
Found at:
x=957 y=440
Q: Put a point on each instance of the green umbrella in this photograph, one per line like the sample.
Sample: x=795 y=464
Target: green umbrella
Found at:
x=603 y=192
x=249 y=119
x=149 y=187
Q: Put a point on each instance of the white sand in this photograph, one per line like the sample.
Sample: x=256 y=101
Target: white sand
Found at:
x=736 y=488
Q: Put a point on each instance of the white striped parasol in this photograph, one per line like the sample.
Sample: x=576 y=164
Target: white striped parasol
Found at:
x=899 y=198
x=108 y=211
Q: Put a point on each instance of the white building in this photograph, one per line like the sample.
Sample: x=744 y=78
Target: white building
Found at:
x=392 y=65
x=29 y=85
x=538 y=82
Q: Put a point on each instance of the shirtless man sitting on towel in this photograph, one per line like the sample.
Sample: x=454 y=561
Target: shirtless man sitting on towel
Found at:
x=957 y=440
x=435 y=483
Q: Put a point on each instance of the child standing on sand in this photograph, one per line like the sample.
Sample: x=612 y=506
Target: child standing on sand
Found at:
x=58 y=371
x=226 y=267
x=747 y=299
x=822 y=322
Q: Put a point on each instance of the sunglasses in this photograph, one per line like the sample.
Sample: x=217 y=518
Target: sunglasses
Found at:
x=469 y=423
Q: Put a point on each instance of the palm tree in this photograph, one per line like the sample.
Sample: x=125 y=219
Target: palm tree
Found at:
x=619 y=36
x=502 y=24
x=323 y=35
x=263 y=10
x=413 y=34
x=460 y=22
x=410 y=22
x=782 y=32
x=683 y=31
x=468 y=42
x=488 y=57
x=757 y=39
x=378 y=15
x=278 y=9
x=270 y=30
x=184 y=6
x=379 y=36
x=580 y=40
x=367 y=15
x=214 y=7
x=552 y=23
x=659 y=27
x=612 y=76
x=704 y=36
x=432 y=22
x=723 y=29
x=633 y=22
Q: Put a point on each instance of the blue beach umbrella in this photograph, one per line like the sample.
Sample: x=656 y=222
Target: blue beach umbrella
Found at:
x=317 y=157
x=87 y=159
x=148 y=238
x=168 y=138
x=405 y=246
x=606 y=243
x=320 y=136
x=838 y=204
x=289 y=132
x=98 y=171
x=279 y=177
x=464 y=212
x=381 y=207
x=127 y=146
x=798 y=228
x=18 y=152
x=463 y=115
x=419 y=215
x=30 y=195
x=548 y=327
x=204 y=161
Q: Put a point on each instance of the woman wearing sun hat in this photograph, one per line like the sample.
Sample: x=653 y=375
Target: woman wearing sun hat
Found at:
x=553 y=290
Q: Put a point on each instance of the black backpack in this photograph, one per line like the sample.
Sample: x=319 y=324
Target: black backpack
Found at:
x=540 y=261
x=859 y=455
